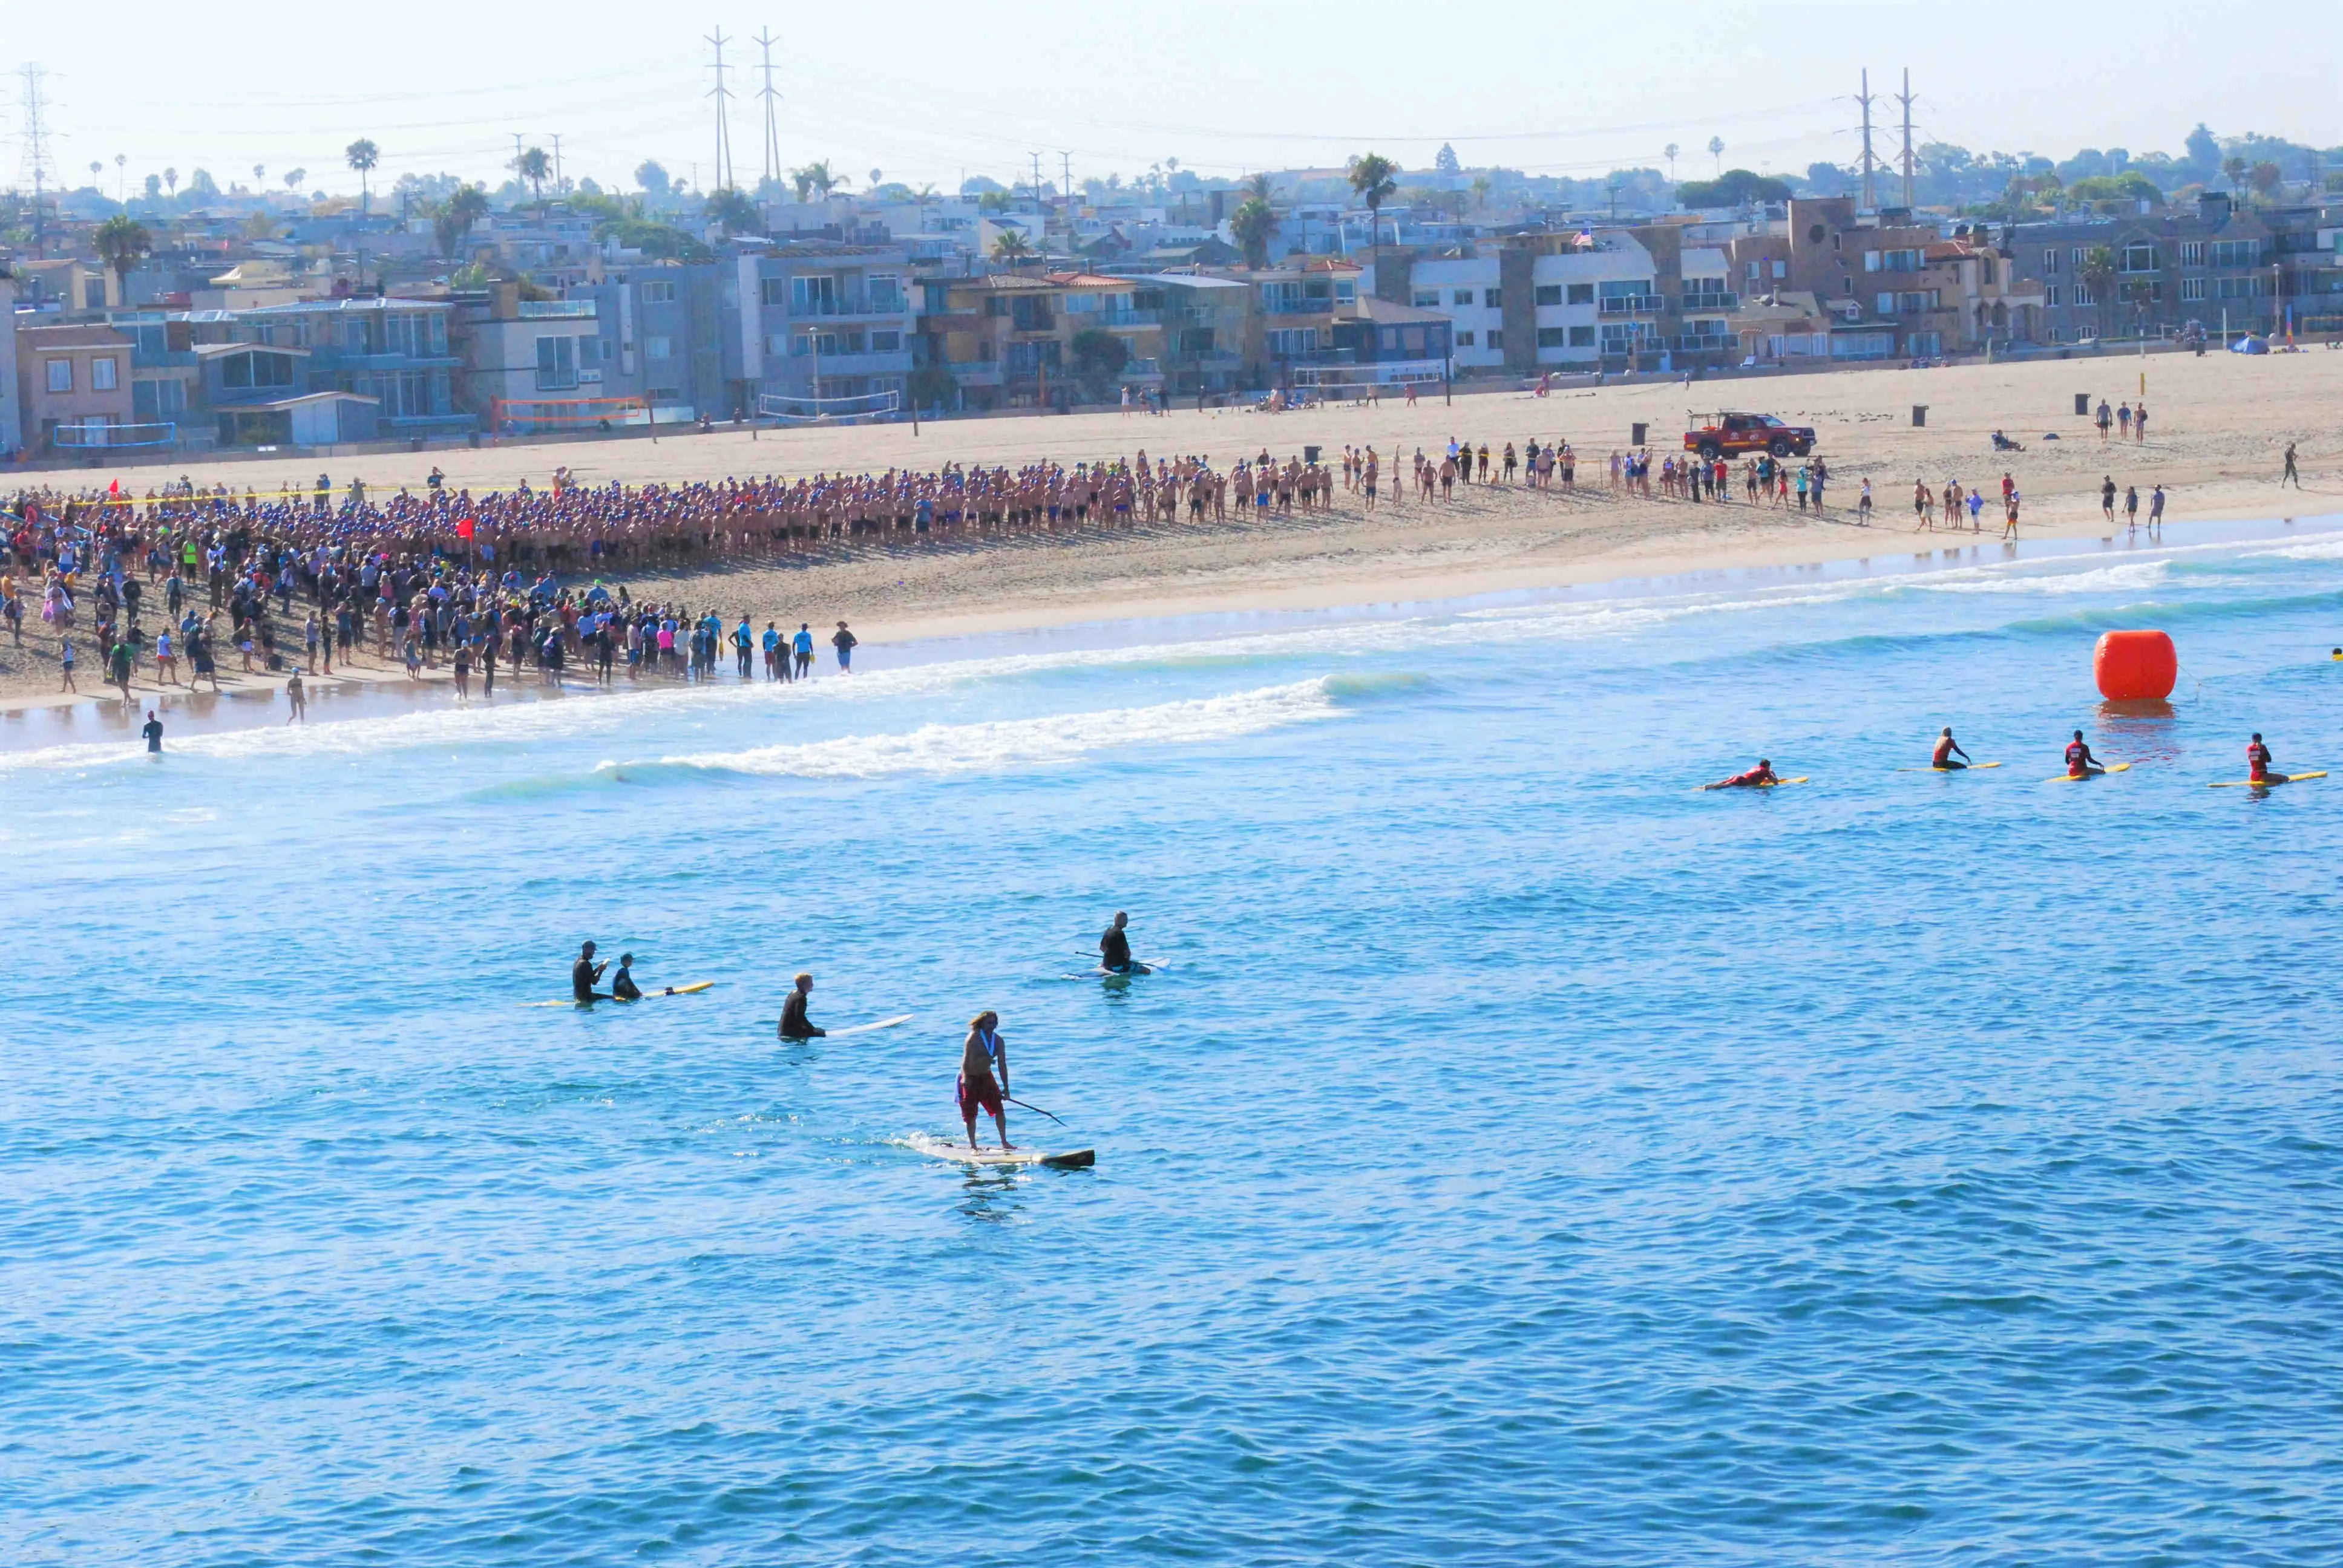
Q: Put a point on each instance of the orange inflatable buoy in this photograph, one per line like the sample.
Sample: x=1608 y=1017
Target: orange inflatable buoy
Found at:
x=2135 y=666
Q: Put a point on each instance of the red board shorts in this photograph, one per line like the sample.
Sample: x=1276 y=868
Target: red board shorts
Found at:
x=983 y=1094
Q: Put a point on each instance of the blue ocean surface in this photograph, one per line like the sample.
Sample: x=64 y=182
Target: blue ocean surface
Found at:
x=1526 y=1158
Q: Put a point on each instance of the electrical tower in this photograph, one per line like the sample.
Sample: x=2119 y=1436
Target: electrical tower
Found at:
x=765 y=41
x=36 y=139
x=1905 y=98
x=1870 y=165
x=723 y=95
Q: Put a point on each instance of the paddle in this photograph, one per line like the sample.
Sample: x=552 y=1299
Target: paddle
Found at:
x=1034 y=1108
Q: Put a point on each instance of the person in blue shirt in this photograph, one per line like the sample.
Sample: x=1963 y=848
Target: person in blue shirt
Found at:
x=743 y=639
x=776 y=662
x=803 y=645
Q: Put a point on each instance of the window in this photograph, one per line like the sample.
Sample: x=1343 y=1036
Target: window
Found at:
x=591 y=353
x=2054 y=296
x=1286 y=340
x=659 y=347
x=2058 y=334
x=886 y=343
x=1553 y=336
x=2139 y=258
x=2078 y=256
x=1887 y=303
x=1987 y=273
x=665 y=394
x=886 y=291
x=2192 y=253
x=240 y=371
x=1463 y=340
x=1548 y=294
x=1581 y=337
x=103 y=374
x=1496 y=341
x=556 y=364
x=773 y=291
x=2247 y=287
x=776 y=343
x=658 y=294
x=60 y=374
x=1460 y=297
x=1582 y=294
x=2192 y=289
x=1346 y=291
x=1425 y=298
x=2236 y=252
x=2083 y=295
x=1494 y=299
x=155 y=402
x=1891 y=261
x=2049 y=263
x=1750 y=274
x=814 y=295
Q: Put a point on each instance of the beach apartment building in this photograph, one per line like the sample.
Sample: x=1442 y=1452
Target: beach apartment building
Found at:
x=2219 y=266
x=1559 y=302
x=1016 y=339
x=526 y=357
x=74 y=376
x=818 y=319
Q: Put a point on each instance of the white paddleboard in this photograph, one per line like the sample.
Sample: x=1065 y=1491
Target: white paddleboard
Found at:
x=993 y=1154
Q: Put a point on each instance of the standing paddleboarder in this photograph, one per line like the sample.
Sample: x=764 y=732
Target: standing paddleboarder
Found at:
x=977 y=1088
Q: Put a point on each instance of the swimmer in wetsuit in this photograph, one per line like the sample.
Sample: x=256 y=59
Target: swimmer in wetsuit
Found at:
x=2258 y=760
x=795 y=1025
x=622 y=984
x=1114 y=948
x=1757 y=777
x=584 y=973
x=2080 y=763
x=1945 y=746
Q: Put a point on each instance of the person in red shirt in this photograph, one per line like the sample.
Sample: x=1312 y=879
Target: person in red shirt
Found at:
x=1761 y=775
x=2079 y=760
x=2258 y=760
x=1946 y=746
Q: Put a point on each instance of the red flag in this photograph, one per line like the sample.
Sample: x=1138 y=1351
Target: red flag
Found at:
x=464 y=529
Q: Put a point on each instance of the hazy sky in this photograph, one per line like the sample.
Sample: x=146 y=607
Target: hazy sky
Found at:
x=926 y=92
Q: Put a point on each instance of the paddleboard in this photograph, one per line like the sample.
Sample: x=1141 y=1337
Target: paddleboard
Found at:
x=1972 y=768
x=2266 y=783
x=1728 y=788
x=692 y=990
x=961 y=1153
x=2079 y=778
x=871 y=1028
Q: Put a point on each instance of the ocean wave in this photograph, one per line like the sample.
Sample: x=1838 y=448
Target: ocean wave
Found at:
x=937 y=748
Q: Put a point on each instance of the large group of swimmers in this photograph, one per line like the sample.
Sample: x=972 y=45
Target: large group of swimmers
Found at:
x=1948 y=756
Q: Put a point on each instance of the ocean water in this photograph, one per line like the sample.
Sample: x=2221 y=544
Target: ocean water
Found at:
x=1528 y=1159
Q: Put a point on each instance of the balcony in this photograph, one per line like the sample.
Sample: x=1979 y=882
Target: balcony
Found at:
x=556 y=310
x=1633 y=305
x=872 y=305
x=1710 y=299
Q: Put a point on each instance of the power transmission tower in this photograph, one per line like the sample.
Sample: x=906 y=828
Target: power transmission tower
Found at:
x=765 y=41
x=1870 y=165
x=721 y=94
x=1905 y=98
x=557 y=163
x=35 y=138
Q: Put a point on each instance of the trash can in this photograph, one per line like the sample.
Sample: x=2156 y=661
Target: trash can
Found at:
x=1920 y=415
x=1637 y=434
x=2082 y=405
x=1310 y=454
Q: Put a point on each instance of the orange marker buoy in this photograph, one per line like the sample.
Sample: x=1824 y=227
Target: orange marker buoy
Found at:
x=2135 y=666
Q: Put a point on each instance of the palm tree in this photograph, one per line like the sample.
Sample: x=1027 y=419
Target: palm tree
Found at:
x=1259 y=188
x=293 y=178
x=362 y=156
x=1717 y=151
x=875 y=176
x=97 y=173
x=259 y=175
x=1252 y=225
x=121 y=161
x=1011 y=248
x=535 y=166
x=452 y=219
x=1481 y=189
x=171 y=180
x=2099 y=275
x=2235 y=169
x=1671 y=150
x=122 y=242
x=1373 y=177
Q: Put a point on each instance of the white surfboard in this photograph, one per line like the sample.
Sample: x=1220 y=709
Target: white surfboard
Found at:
x=871 y=1028
x=993 y=1154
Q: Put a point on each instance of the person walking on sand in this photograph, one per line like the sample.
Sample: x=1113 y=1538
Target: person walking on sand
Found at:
x=2108 y=497
x=843 y=640
x=2139 y=424
x=2009 y=501
x=2106 y=418
x=65 y=663
x=2291 y=472
x=2131 y=506
x=978 y=1090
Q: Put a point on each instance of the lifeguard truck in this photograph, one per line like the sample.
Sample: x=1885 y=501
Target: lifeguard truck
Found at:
x=1714 y=436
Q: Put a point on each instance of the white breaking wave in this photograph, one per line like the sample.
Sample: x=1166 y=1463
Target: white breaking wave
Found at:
x=1024 y=742
x=2125 y=577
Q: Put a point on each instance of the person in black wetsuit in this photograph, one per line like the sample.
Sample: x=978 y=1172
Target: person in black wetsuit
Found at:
x=152 y=731
x=1114 y=948
x=795 y=1025
x=584 y=973
x=622 y=984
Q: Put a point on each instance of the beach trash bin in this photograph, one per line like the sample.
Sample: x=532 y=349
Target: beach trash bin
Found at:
x=1638 y=434
x=2135 y=666
x=2083 y=404
x=1920 y=415
x=1310 y=454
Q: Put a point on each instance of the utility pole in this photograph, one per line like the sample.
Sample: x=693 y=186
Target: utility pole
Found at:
x=723 y=127
x=1039 y=210
x=765 y=41
x=36 y=137
x=1905 y=98
x=1067 y=160
x=516 y=155
x=557 y=163
x=1870 y=182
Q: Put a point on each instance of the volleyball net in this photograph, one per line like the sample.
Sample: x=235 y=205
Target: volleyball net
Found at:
x=113 y=437
x=868 y=406
x=1358 y=380
x=537 y=415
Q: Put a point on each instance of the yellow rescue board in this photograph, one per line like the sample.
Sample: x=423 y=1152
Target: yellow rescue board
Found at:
x=2079 y=778
x=1972 y=768
x=2266 y=783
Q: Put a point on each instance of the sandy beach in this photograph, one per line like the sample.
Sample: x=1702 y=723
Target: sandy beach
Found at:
x=2220 y=424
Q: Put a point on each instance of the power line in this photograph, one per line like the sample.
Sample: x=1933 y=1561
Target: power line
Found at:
x=1905 y=98
x=36 y=137
x=721 y=94
x=1870 y=185
x=772 y=112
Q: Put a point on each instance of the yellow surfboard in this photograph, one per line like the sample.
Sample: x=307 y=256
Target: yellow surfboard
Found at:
x=2079 y=778
x=2266 y=783
x=1972 y=768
